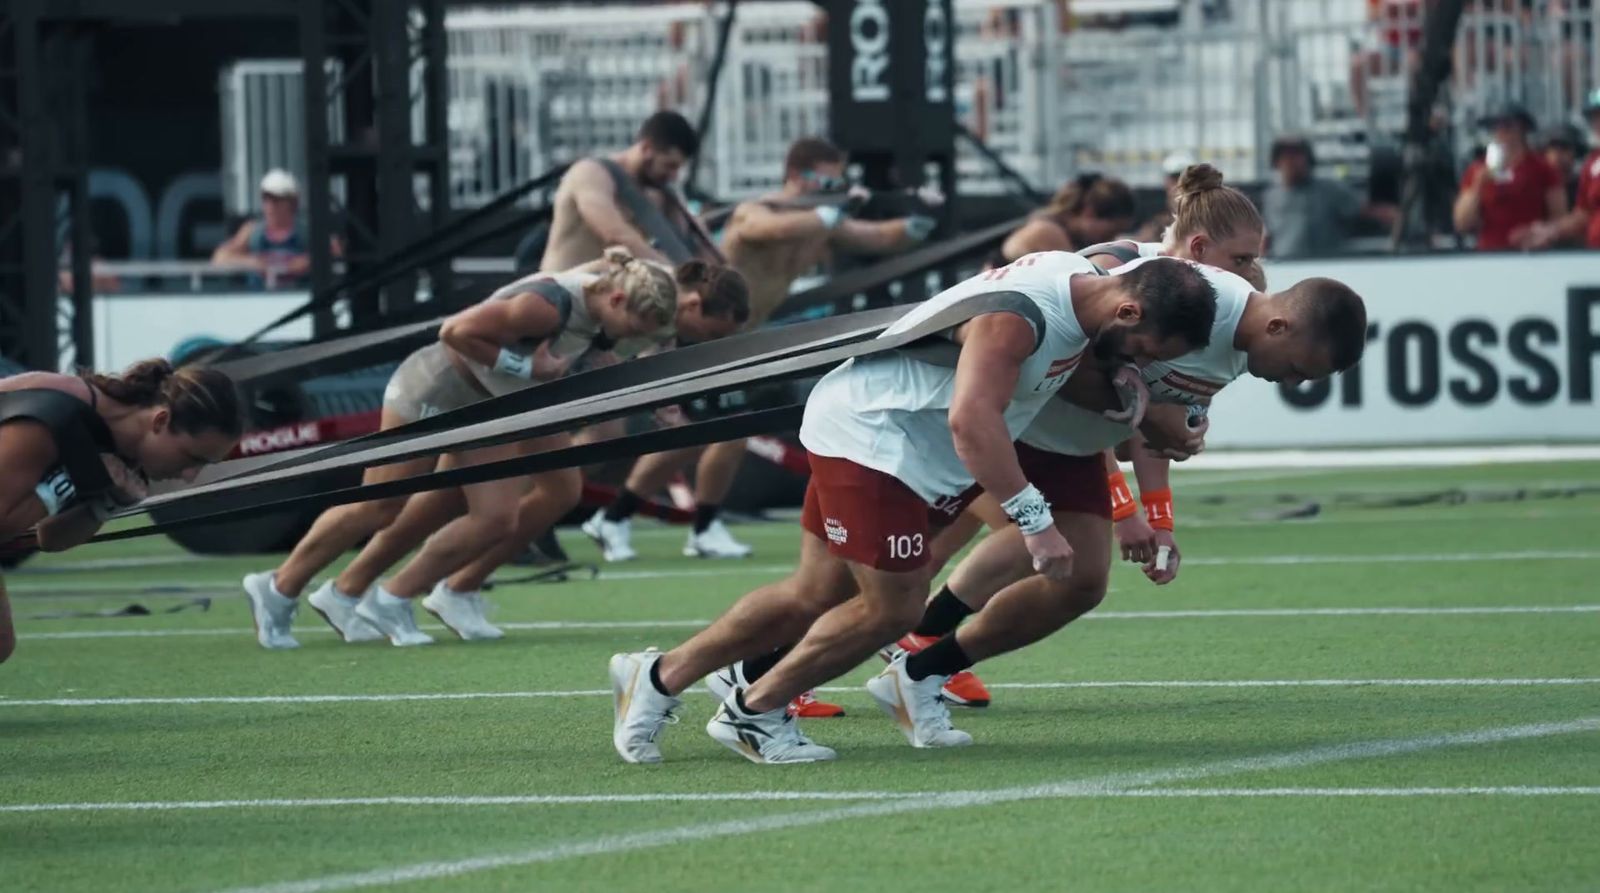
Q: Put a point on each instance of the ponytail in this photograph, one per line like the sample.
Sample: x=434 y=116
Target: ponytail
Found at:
x=199 y=398
x=1202 y=204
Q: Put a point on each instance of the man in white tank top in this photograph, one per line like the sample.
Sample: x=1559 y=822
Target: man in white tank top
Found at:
x=898 y=444
x=1308 y=332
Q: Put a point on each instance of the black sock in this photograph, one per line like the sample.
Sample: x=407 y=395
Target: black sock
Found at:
x=655 y=679
x=623 y=507
x=756 y=667
x=942 y=658
x=943 y=614
x=704 y=514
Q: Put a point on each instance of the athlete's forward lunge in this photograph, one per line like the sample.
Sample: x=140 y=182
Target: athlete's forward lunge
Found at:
x=1313 y=329
x=898 y=444
x=534 y=329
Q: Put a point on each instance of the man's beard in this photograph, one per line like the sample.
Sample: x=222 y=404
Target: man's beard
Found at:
x=1110 y=349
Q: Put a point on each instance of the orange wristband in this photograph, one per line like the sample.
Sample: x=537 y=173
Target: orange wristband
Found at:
x=1158 y=508
x=1122 y=504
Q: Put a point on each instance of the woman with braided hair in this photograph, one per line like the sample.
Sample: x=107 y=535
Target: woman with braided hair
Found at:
x=74 y=449
x=536 y=329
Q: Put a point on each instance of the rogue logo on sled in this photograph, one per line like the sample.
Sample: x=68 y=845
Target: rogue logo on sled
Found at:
x=273 y=440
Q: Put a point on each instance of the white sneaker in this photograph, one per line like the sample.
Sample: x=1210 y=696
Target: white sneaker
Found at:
x=715 y=542
x=392 y=616
x=615 y=538
x=640 y=710
x=722 y=683
x=771 y=737
x=917 y=706
x=462 y=613
x=272 y=611
x=339 y=610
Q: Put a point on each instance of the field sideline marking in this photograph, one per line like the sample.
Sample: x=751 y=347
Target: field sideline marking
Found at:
x=773 y=796
x=759 y=569
x=693 y=624
x=599 y=692
x=612 y=844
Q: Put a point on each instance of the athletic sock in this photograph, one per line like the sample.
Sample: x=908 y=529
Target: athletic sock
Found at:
x=704 y=514
x=942 y=658
x=624 y=506
x=756 y=667
x=655 y=679
x=943 y=614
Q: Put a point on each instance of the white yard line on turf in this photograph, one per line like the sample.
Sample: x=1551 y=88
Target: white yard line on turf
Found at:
x=1408 y=457
x=602 y=692
x=613 y=844
x=1199 y=613
x=463 y=801
x=770 y=796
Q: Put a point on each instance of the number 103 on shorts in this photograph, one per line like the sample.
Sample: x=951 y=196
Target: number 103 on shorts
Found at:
x=904 y=546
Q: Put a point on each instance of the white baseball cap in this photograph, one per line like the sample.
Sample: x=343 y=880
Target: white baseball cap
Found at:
x=280 y=183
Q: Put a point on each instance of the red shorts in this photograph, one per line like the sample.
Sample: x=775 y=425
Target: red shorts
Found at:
x=1069 y=483
x=872 y=518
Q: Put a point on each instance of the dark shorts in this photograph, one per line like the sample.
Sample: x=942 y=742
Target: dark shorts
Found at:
x=872 y=518
x=1069 y=483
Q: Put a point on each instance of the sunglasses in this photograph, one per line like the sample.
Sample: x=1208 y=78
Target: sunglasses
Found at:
x=825 y=183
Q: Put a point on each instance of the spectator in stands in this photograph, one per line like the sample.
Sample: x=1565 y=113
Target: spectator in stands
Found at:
x=1172 y=168
x=1308 y=216
x=273 y=244
x=1087 y=211
x=1582 y=226
x=1563 y=147
x=1513 y=188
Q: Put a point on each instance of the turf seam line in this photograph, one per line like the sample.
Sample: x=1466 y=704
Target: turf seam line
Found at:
x=612 y=844
x=1197 y=614
x=397 y=697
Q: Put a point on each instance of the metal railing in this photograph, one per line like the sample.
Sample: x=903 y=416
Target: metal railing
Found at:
x=532 y=87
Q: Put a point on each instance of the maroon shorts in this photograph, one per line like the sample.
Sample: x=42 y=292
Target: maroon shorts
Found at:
x=1069 y=483
x=872 y=518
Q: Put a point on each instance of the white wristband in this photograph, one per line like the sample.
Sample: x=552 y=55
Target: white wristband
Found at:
x=830 y=215
x=55 y=491
x=512 y=363
x=1029 y=510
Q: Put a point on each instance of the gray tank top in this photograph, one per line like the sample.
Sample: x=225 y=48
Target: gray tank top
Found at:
x=564 y=291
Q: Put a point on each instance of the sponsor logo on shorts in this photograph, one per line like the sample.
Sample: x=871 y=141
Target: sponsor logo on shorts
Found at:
x=836 y=532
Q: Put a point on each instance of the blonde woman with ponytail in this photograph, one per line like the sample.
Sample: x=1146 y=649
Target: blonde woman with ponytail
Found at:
x=535 y=329
x=73 y=449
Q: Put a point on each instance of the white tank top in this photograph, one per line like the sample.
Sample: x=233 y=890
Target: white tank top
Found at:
x=1191 y=379
x=890 y=412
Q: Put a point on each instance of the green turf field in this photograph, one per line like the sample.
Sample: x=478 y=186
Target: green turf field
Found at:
x=1401 y=698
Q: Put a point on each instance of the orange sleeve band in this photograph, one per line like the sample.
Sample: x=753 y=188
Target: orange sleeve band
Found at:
x=1122 y=504
x=1158 y=508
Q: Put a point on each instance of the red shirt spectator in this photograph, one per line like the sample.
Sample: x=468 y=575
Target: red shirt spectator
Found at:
x=1589 y=198
x=1514 y=196
x=1513 y=201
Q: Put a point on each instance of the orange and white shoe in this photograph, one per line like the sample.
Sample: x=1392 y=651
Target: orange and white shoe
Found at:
x=964 y=689
x=808 y=707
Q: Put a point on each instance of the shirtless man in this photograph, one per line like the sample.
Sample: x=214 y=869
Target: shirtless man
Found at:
x=591 y=213
x=772 y=243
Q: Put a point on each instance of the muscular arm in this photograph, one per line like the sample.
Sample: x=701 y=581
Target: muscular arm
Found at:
x=594 y=195
x=994 y=347
x=872 y=236
x=69 y=529
x=1151 y=471
x=481 y=332
x=27 y=451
